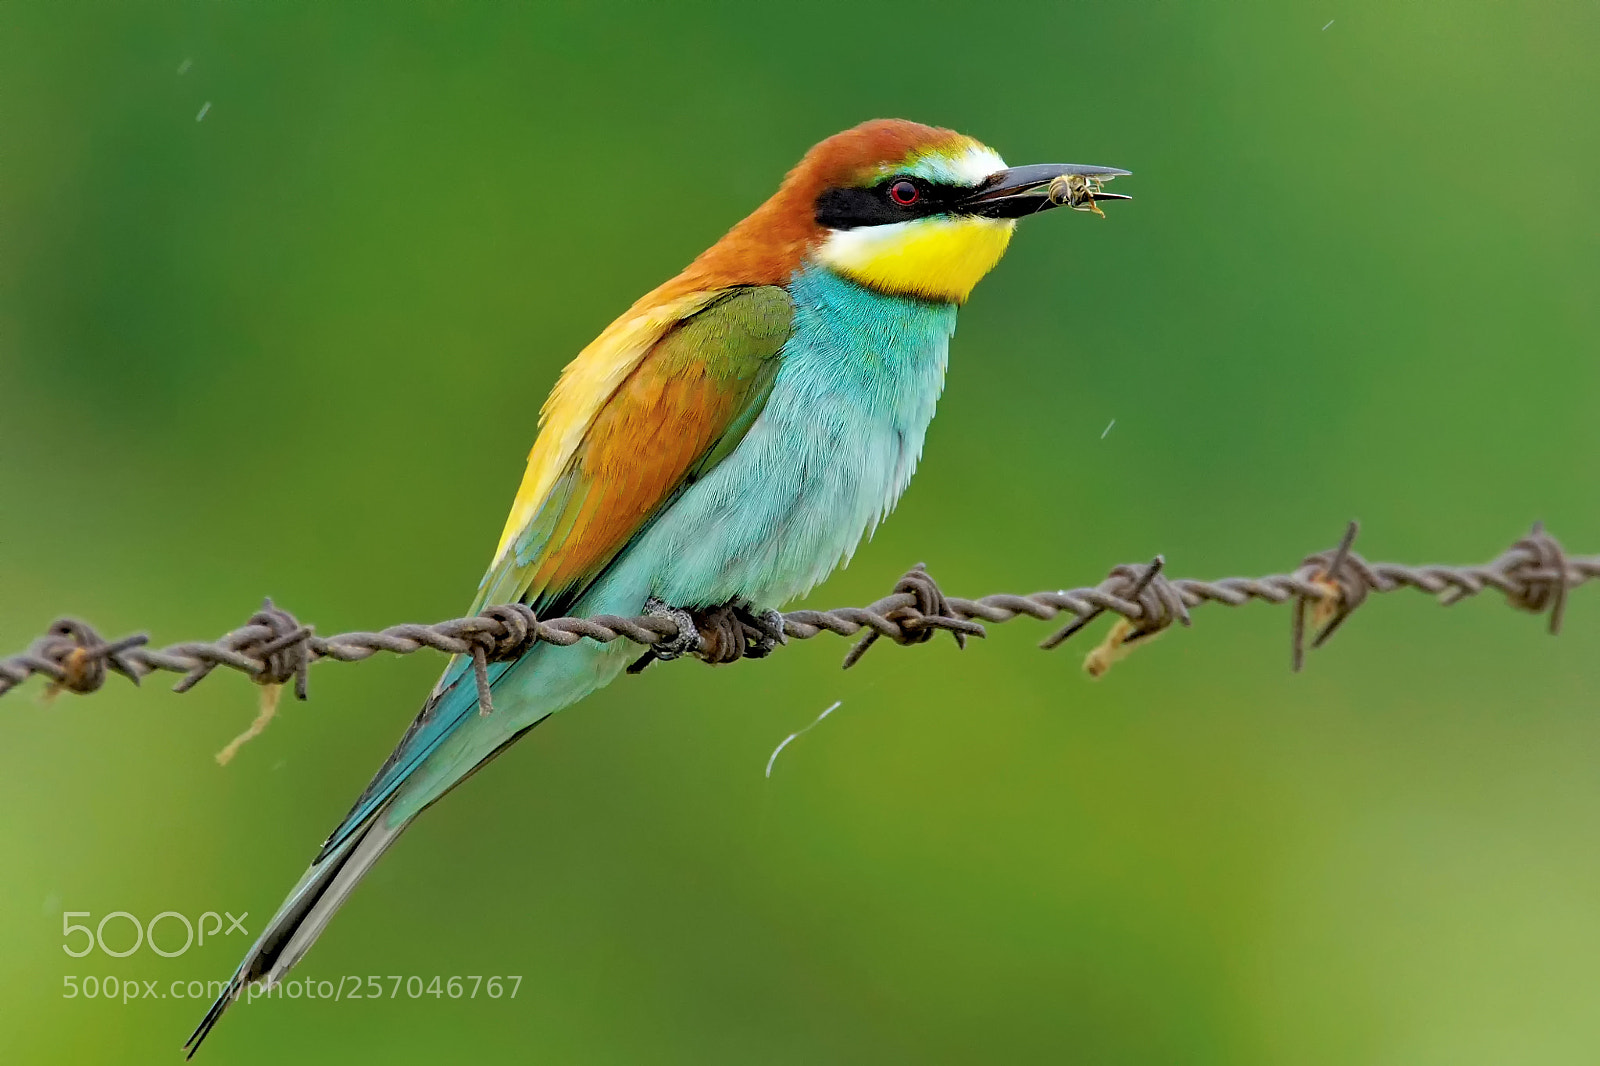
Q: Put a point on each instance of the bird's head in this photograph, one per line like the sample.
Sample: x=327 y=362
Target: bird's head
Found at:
x=902 y=208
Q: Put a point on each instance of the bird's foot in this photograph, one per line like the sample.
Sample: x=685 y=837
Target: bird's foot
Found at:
x=715 y=635
x=737 y=631
x=769 y=623
x=687 y=642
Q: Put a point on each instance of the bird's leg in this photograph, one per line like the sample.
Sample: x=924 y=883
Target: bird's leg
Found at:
x=687 y=642
x=769 y=623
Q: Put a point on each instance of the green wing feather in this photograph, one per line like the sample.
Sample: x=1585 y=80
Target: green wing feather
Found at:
x=682 y=411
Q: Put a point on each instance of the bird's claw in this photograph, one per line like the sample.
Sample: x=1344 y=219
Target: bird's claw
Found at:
x=770 y=624
x=687 y=642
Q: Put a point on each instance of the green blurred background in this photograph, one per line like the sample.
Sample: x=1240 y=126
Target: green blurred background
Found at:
x=296 y=348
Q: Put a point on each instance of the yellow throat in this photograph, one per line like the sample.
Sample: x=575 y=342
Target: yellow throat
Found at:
x=937 y=258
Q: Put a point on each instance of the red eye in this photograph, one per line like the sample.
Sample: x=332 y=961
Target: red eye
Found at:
x=904 y=193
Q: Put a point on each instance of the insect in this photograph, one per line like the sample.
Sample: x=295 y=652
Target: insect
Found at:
x=1077 y=192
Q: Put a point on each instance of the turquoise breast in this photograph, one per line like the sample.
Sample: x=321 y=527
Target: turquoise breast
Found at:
x=827 y=458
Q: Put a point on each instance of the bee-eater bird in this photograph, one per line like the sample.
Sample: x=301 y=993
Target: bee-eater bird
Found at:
x=729 y=439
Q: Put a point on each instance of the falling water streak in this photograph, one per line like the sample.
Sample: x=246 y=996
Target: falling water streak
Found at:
x=1107 y=429
x=785 y=742
x=203 y=109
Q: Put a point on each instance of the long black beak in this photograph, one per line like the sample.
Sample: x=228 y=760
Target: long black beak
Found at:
x=1025 y=190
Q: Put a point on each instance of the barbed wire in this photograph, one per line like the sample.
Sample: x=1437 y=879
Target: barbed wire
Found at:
x=273 y=648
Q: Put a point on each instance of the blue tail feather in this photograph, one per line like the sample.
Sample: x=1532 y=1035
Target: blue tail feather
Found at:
x=453 y=701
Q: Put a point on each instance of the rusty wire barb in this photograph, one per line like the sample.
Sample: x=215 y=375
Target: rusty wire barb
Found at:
x=273 y=648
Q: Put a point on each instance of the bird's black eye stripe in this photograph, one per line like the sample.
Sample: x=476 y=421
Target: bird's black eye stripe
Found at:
x=895 y=199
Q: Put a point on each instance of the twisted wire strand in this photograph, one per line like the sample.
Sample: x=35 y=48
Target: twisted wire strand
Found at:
x=273 y=648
